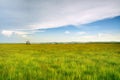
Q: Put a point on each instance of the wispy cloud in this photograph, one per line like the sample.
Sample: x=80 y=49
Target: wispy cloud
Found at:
x=37 y=14
x=100 y=37
x=23 y=18
x=7 y=33
x=67 y=32
x=20 y=32
x=81 y=33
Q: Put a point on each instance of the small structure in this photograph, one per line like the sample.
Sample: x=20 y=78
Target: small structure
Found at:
x=28 y=42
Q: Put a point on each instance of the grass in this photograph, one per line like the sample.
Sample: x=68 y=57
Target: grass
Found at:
x=60 y=62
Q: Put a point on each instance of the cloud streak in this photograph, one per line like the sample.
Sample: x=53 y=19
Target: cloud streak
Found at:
x=38 y=14
x=9 y=33
x=24 y=33
x=67 y=32
x=23 y=18
x=77 y=12
x=100 y=37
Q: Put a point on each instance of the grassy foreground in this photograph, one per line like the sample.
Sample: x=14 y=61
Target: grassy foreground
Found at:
x=60 y=62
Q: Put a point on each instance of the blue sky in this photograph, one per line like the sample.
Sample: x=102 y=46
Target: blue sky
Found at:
x=59 y=20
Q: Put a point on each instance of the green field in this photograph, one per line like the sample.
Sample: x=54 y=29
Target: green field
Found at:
x=60 y=62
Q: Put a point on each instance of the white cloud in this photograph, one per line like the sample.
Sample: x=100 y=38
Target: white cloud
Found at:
x=73 y=12
x=7 y=33
x=67 y=32
x=24 y=36
x=100 y=37
x=81 y=33
x=20 y=32
x=109 y=37
x=37 y=14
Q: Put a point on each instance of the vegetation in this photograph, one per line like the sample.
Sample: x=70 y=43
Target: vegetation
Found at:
x=60 y=61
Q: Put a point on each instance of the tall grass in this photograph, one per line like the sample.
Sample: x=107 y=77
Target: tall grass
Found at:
x=60 y=62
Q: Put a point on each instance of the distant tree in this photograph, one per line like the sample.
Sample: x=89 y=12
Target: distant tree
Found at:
x=28 y=42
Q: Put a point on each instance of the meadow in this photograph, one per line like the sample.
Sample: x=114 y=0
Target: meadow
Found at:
x=60 y=61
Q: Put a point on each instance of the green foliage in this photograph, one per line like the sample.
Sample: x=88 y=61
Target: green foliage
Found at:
x=60 y=62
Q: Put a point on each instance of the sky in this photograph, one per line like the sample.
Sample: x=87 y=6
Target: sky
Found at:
x=59 y=20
